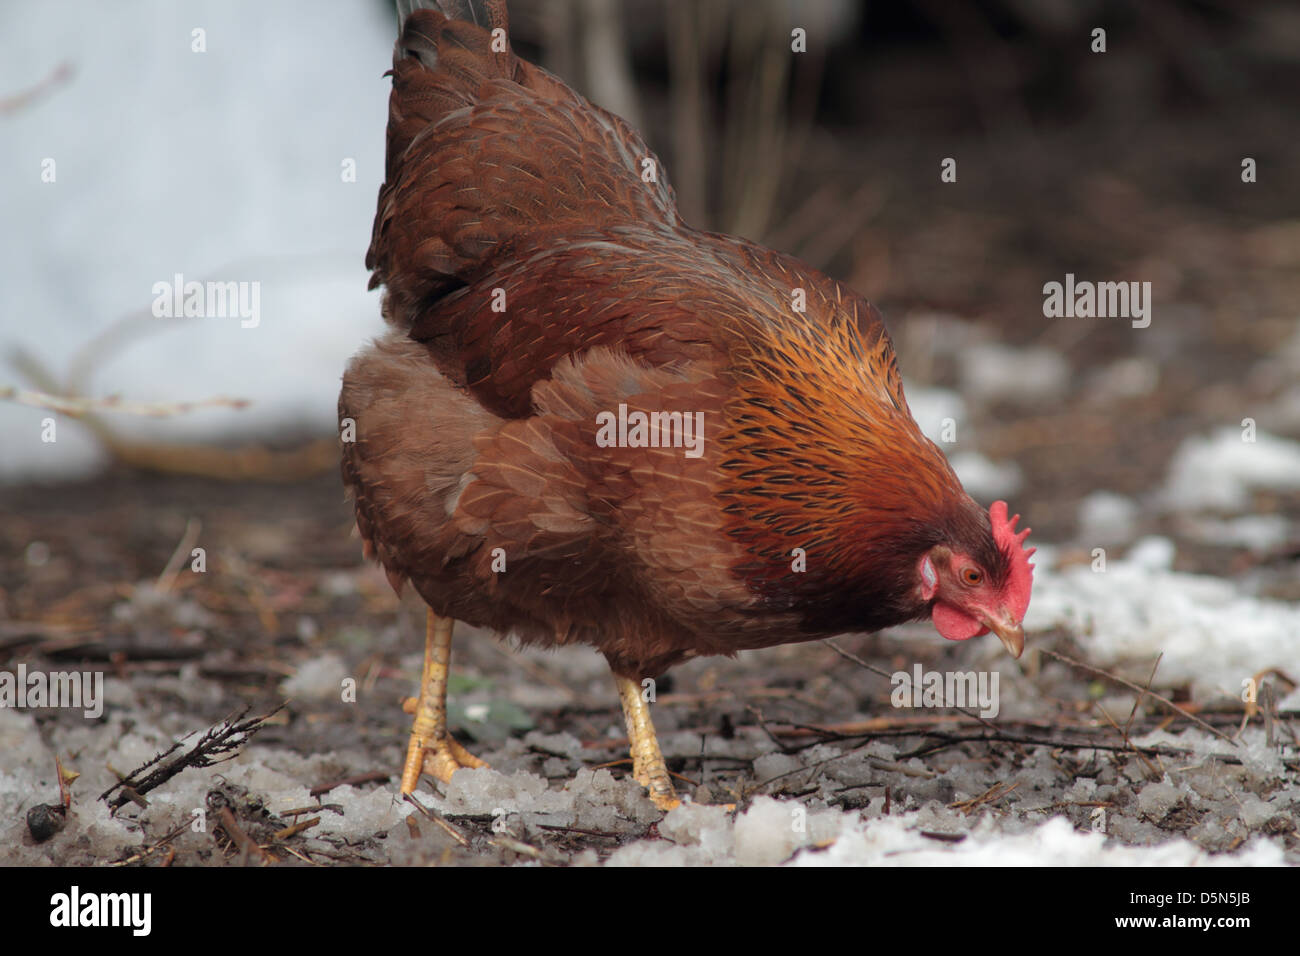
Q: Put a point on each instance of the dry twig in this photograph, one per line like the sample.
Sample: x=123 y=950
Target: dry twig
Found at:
x=246 y=844
x=216 y=746
x=154 y=848
x=451 y=831
x=77 y=406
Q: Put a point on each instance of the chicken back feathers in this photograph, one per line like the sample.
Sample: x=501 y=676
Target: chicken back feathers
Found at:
x=539 y=282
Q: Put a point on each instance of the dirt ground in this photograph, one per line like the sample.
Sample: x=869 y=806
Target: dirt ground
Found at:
x=285 y=590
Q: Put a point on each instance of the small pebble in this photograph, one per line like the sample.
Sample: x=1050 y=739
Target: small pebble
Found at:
x=44 y=820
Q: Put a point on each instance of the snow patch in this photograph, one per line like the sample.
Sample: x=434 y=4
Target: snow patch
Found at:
x=932 y=407
x=1208 y=629
x=985 y=480
x=993 y=373
x=1220 y=471
x=1107 y=519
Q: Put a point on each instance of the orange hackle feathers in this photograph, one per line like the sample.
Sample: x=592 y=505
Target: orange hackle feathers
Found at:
x=822 y=454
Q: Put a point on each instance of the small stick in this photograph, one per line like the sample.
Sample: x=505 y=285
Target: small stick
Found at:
x=128 y=792
x=295 y=829
x=299 y=811
x=995 y=792
x=1072 y=803
x=1257 y=680
x=1267 y=707
x=1137 y=701
x=65 y=779
x=626 y=760
x=592 y=833
x=1155 y=774
x=76 y=407
x=149 y=851
x=454 y=833
x=247 y=845
x=295 y=852
x=950 y=740
x=758 y=715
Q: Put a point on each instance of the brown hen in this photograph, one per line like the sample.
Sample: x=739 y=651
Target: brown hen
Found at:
x=591 y=423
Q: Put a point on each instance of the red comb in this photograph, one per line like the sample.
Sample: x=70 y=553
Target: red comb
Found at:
x=1021 y=580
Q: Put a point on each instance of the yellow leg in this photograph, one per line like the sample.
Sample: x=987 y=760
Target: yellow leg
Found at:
x=431 y=749
x=647 y=760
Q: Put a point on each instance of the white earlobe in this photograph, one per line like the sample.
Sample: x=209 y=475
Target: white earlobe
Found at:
x=929 y=578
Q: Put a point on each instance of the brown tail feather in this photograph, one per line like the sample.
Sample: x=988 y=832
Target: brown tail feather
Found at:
x=488 y=155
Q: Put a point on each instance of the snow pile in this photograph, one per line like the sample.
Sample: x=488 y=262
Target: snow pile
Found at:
x=773 y=832
x=708 y=829
x=320 y=678
x=983 y=479
x=995 y=373
x=1221 y=470
x=1207 y=628
x=770 y=831
x=895 y=842
x=937 y=411
x=941 y=416
x=1258 y=760
x=1106 y=519
x=592 y=800
x=1258 y=533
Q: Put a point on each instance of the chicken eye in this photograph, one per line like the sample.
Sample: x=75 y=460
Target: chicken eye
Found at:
x=972 y=576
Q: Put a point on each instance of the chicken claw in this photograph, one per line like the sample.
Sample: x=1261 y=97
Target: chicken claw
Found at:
x=432 y=749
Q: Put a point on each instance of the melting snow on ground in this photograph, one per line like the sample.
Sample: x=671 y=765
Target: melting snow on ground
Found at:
x=1208 y=629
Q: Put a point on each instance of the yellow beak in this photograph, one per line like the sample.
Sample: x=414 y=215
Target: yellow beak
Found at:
x=1009 y=631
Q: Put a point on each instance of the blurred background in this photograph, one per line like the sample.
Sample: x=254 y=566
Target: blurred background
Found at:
x=241 y=141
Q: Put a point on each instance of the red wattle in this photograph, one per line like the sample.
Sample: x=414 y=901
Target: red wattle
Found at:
x=954 y=624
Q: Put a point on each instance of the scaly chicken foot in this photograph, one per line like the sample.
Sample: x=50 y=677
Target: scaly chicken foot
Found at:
x=432 y=749
x=648 y=767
